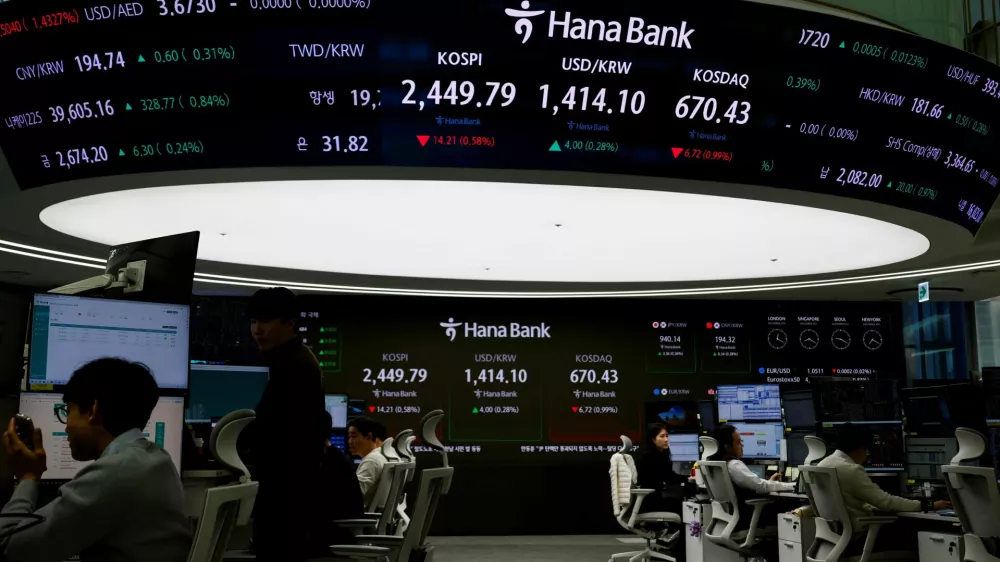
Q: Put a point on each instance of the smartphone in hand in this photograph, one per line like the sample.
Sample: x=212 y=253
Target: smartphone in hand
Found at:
x=25 y=429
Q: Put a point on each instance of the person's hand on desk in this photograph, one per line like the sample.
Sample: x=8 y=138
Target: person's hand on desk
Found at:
x=27 y=464
x=776 y=477
x=942 y=504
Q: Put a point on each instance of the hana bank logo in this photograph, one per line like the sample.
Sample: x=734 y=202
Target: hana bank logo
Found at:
x=450 y=325
x=635 y=31
x=523 y=25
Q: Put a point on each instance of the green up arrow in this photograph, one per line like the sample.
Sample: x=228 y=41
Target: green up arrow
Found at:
x=141 y=59
x=555 y=147
x=841 y=44
x=475 y=410
x=128 y=107
x=121 y=152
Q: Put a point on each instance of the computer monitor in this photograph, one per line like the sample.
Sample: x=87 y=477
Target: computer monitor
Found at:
x=69 y=331
x=749 y=402
x=800 y=410
x=684 y=447
x=336 y=404
x=796 y=448
x=935 y=411
x=706 y=413
x=676 y=415
x=886 y=451
x=169 y=269
x=757 y=469
x=164 y=429
x=216 y=390
x=761 y=440
x=845 y=400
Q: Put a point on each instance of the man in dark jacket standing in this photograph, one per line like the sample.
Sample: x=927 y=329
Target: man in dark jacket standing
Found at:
x=286 y=439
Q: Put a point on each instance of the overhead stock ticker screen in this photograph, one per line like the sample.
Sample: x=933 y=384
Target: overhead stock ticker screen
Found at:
x=571 y=377
x=722 y=91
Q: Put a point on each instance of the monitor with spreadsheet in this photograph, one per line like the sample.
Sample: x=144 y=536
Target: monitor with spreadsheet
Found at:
x=336 y=404
x=684 y=447
x=164 y=429
x=761 y=440
x=69 y=331
x=216 y=390
x=749 y=402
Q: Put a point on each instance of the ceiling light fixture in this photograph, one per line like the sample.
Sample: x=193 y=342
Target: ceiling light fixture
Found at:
x=528 y=233
x=316 y=287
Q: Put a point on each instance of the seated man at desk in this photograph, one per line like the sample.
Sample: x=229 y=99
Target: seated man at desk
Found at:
x=862 y=496
x=364 y=438
x=748 y=485
x=127 y=505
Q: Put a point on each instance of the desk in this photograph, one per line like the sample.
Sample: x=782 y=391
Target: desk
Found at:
x=789 y=495
x=933 y=517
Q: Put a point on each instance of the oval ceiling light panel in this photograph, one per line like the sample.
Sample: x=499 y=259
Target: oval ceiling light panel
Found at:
x=492 y=231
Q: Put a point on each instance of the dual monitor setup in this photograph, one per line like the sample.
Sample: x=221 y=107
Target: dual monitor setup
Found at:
x=773 y=425
x=69 y=331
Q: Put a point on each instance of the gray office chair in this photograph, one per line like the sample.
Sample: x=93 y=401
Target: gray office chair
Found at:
x=973 y=491
x=722 y=528
x=381 y=512
x=434 y=483
x=389 y=450
x=403 y=442
x=226 y=507
x=817 y=451
x=628 y=516
x=834 y=529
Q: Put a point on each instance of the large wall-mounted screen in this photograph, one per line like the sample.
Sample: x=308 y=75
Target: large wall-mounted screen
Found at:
x=720 y=91
x=526 y=377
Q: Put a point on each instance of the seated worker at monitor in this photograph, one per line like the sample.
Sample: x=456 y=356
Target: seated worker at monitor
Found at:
x=127 y=505
x=730 y=450
x=342 y=495
x=862 y=496
x=656 y=471
x=748 y=485
x=364 y=438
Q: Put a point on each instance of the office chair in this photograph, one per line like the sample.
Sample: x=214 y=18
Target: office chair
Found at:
x=725 y=519
x=973 y=491
x=381 y=511
x=389 y=450
x=385 y=478
x=817 y=452
x=627 y=501
x=434 y=483
x=226 y=507
x=403 y=442
x=834 y=528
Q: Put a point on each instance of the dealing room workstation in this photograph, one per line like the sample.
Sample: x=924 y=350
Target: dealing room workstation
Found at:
x=514 y=280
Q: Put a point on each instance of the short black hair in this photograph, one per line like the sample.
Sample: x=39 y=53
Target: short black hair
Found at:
x=125 y=392
x=652 y=430
x=368 y=425
x=724 y=435
x=273 y=303
x=851 y=437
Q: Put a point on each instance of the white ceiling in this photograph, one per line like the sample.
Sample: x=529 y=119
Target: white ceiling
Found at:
x=488 y=231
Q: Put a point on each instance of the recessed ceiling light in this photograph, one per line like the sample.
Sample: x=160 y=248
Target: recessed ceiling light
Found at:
x=424 y=229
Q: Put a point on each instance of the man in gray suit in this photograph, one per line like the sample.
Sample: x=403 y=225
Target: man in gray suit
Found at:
x=125 y=506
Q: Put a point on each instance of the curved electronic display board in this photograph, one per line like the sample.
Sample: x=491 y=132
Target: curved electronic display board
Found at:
x=722 y=91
